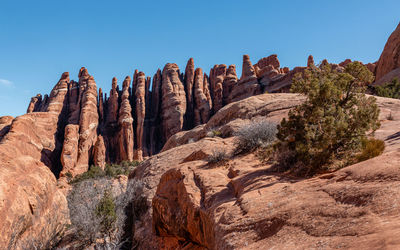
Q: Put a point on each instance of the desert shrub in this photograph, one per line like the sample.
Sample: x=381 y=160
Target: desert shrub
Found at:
x=218 y=156
x=101 y=209
x=110 y=170
x=105 y=211
x=333 y=121
x=371 y=148
x=255 y=135
x=124 y=168
x=94 y=172
x=214 y=133
x=390 y=89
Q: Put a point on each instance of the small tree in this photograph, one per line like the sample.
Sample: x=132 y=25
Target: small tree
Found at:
x=105 y=211
x=390 y=89
x=333 y=120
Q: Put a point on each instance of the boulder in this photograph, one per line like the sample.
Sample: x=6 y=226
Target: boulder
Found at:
x=390 y=57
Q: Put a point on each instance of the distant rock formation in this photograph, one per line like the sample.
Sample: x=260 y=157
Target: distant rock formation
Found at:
x=390 y=57
x=135 y=121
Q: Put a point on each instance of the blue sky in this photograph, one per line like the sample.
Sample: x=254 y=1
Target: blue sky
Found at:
x=41 y=39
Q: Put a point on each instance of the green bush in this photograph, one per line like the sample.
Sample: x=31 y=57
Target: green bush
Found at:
x=218 y=156
x=391 y=89
x=105 y=211
x=333 y=121
x=255 y=135
x=110 y=170
x=371 y=148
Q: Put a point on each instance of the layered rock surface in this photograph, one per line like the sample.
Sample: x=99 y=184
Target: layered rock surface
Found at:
x=243 y=204
x=33 y=212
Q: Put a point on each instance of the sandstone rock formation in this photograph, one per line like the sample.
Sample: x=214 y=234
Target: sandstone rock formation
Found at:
x=35 y=103
x=155 y=118
x=189 y=82
x=33 y=212
x=390 y=57
x=229 y=83
x=88 y=121
x=173 y=104
x=69 y=154
x=99 y=154
x=5 y=124
x=202 y=105
x=140 y=92
x=150 y=115
x=243 y=204
x=217 y=75
x=248 y=84
x=125 y=121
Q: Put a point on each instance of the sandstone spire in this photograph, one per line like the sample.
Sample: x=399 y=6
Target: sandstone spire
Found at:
x=202 y=109
x=189 y=82
x=173 y=101
x=140 y=93
x=217 y=75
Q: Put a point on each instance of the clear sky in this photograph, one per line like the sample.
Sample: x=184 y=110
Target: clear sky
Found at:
x=41 y=39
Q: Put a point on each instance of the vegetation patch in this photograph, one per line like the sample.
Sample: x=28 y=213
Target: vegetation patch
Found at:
x=110 y=170
x=218 y=156
x=332 y=123
x=255 y=135
x=370 y=149
x=390 y=89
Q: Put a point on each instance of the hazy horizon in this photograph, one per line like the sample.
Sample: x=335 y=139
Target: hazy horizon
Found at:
x=41 y=40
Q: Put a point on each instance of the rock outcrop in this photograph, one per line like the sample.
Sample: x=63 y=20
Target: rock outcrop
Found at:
x=189 y=82
x=243 y=204
x=125 y=121
x=202 y=110
x=217 y=75
x=35 y=104
x=5 y=124
x=88 y=121
x=140 y=92
x=390 y=57
x=173 y=104
x=150 y=115
x=248 y=84
x=33 y=212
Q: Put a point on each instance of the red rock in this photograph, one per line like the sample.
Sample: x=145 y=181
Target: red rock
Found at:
x=57 y=99
x=217 y=75
x=173 y=104
x=345 y=62
x=202 y=108
x=248 y=84
x=189 y=85
x=140 y=93
x=33 y=211
x=75 y=92
x=113 y=103
x=99 y=153
x=390 y=57
x=267 y=64
x=5 y=124
x=310 y=61
x=69 y=154
x=88 y=121
x=155 y=113
x=35 y=103
x=371 y=67
x=101 y=106
x=125 y=121
x=229 y=83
